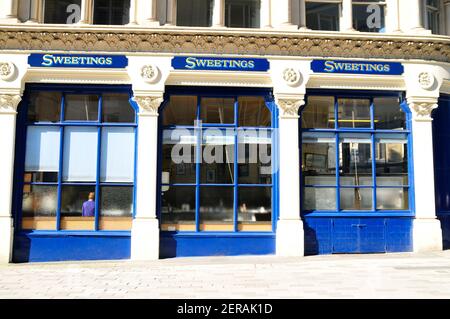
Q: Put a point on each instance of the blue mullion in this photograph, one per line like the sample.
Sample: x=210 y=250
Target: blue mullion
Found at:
x=373 y=149
x=275 y=164
x=336 y=158
x=198 y=160
x=97 y=176
x=256 y=185
x=81 y=123
x=60 y=168
x=41 y=183
x=235 y=165
x=353 y=130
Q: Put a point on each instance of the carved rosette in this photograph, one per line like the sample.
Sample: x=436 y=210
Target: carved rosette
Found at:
x=9 y=103
x=426 y=80
x=289 y=107
x=148 y=105
x=422 y=110
x=150 y=73
x=7 y=71
x=292 y=77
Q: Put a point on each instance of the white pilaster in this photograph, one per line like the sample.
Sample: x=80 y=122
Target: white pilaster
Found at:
x=427 y=233
x=133 y=13
x=218 y=16
x=393 y=16
x=86 y=12
x=346 y=21
x=35 y=11
x=302 y=20
x=8 y=13
x=290 y=237
x=415 y=15
x=266 y=20
x=447 y=17
x=8 y=107
x=145 y=229
x=150 y=16
x=284 y=8
x=171 y=13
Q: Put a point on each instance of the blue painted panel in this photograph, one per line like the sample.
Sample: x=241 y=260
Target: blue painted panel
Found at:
x=77 y=60
x=318 y=236
x=220 y=64
x=371 y=235
x=398 y=235
x=181 y=245
x=357 y=67
x=345 y=235
x=42 y=248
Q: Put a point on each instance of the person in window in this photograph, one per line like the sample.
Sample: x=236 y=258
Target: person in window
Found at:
x=88 y=209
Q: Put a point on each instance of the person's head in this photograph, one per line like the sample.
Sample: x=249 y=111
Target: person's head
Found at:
x=91 y=196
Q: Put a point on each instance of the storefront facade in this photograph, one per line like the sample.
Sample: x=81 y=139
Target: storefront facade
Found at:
x=159 y=138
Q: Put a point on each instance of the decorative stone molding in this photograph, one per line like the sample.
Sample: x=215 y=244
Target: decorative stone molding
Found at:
x=7 y=71
x=421 y=108
x=292 y=76
x=426 y=80
x=150 y=73
x=148 y=105
x=9 y=103
x=213 y=42
x=289 y=106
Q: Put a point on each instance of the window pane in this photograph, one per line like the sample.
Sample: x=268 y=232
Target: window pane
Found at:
x=368 y=18
x=178 y=208
x=78 y=207
x=178 y=156
x=116 y=208
x=61 y=11
x=44 y=107
x=42 y=150
x=356 y=198
x=111 y=12
x=391 y=154
x=255 y=207
x=354 y=113
x=254 y=112
x=117 y=157
x=322 y=16
x=242 y=13
x=39 y=207
x=355 y=160
x=319 y=158
x=319 y=112
x=319 y=198
x=217 y=110
x=80 y=154
x=194 y=13
x=388 y=114
x=216 y=208
x=117 y=108
x=392 y=198
x=81 y=108
x=218 y=157
x=181 y=110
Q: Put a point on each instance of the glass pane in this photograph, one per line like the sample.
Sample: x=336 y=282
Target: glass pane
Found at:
x=111 y=12
x=117 y=157
x=217 y=110
x=368 y=18
x=80 y=154
x=255 y=205
x=319 y=158
x=242 y=13
x=355 y=160
x=319 y=112
x=44 y=107
x=392 y=198
x=178 y=156
x=388 y=114
x=117 y=108
x=319 y=198
x=39 y=207
x=116 y=208
x=216 y=208
x=354 y=113
x=255 y=156
x=217 y=165
x=322 y=16
x=356 y=198
x=81 y=108
x=178 y=208
x=62 y=11
x=194 y=13
x=42 y=149
x=254 y=112
x=77 y=207
x=181 y=110
x=391 y=156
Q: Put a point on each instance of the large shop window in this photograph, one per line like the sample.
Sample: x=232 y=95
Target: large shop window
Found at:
x=355 y=154
x=217 y=164
x=62 y=11
x=111 y=12
x=194 y=13
x=369 y=15
x=79 y=161
x=323 y=15
x=242 y=13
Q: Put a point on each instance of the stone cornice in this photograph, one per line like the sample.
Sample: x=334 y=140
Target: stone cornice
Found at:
x=194 y=41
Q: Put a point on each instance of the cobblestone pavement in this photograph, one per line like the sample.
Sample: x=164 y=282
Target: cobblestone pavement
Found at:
x=425 y=275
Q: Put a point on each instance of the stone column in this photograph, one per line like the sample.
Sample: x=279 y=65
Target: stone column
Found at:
x=133 y=13
x=427 y=233
x=266 y=20
x=393 y=16
x=415 y=16
x=447 y=17
x=302 y=21
x=35 y=11
x=8 y=111
x=171 y=13
x=290 y=237
x=150 y=17
x=8 y=13
x=145 y=229
x=86 y=12
x=218 y=16
x=346 y=21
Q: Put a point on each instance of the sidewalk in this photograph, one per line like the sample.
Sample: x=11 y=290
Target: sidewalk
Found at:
x=425 y=275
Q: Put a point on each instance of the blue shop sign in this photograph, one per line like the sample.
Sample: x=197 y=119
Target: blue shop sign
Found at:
x=357 y=67
x=77 y=61
x=220 y=64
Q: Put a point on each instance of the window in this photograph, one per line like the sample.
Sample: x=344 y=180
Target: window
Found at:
x=79 y=161
x=354 y=154
x=242 y=13
x=369 y=15
x=62 y=11
x=216 y=163
x=194 y=13
x=432 y=14
x=111 y=12
x=322 y=15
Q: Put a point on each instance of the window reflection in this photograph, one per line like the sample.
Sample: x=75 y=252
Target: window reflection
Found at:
x=319 y=112
x=253 y=112
x=354 y=113
x=181 y=110
x=391 y=154
x=194 y=13
x=319 y=198
x=111 y=12
x=44 y=107
x=368 y=17
x=355 y=160
x=388 y=114
x=356 y=198
x=78 y=207
x=242 y=13
x=116 y=207
x=319 y=158
x=116 y=108
x=61 y=11
x=217 y=110
x=178 y=208
x=81 y=107
x=322 y=16
x=216 y=208
x=39 y=207
x=255 y=207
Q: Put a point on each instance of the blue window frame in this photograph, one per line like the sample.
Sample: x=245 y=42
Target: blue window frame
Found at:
x=356 y=154
x=68 y=142
x=235 y=195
